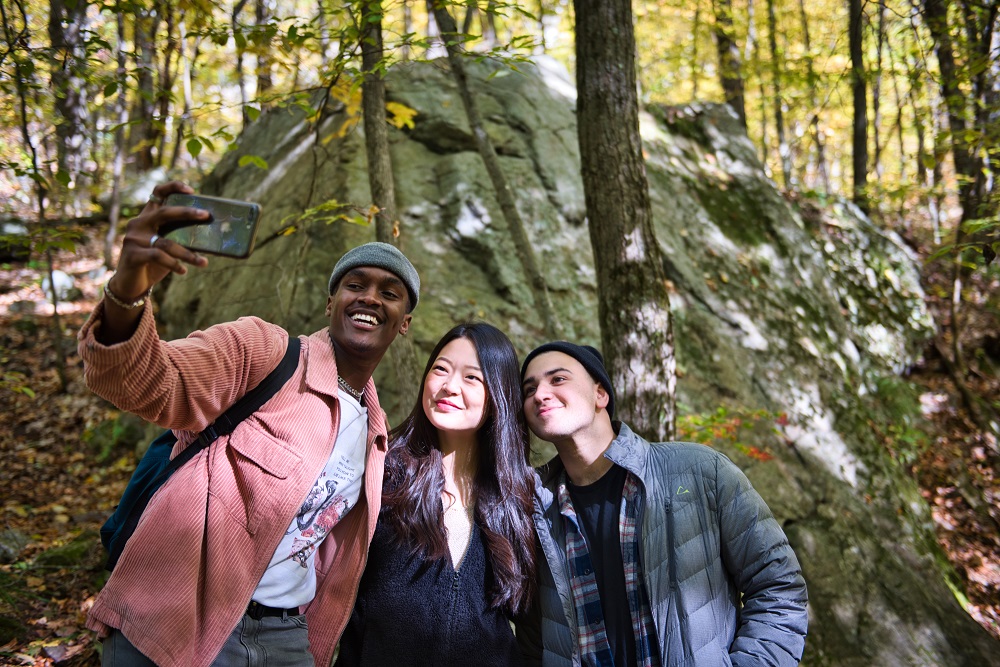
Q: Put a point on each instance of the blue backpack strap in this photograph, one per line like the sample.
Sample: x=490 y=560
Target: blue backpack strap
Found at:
x=156 y=465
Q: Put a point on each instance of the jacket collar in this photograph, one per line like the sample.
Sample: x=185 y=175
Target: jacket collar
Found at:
x=627 y=450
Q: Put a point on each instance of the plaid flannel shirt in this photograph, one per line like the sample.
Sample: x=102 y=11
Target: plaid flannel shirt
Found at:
x=595 y=650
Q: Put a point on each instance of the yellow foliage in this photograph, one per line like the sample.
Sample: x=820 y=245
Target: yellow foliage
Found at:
x=400 y=115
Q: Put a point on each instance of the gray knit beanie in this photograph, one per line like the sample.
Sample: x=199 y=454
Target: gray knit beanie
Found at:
x=588 y=357
x=382 y=256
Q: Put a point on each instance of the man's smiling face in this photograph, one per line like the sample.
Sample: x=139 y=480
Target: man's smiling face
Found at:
x=367 y=310
x=561 y=399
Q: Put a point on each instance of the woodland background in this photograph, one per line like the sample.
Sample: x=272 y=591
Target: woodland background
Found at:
x=893 y=105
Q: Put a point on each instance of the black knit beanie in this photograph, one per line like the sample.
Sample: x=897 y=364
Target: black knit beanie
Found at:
x=588 y=357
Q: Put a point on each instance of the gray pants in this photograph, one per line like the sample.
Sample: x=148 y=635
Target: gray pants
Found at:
x=272 y=641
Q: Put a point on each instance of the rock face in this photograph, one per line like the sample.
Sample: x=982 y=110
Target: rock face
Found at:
x=792 y=321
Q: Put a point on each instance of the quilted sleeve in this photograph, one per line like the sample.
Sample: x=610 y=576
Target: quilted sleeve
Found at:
x=755 y=550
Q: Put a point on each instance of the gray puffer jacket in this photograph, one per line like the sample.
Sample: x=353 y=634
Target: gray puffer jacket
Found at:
x=708 y=538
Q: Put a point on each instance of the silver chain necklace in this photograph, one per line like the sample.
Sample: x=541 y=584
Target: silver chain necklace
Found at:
x=358 y=395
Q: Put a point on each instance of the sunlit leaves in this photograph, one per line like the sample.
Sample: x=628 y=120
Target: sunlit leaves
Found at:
x=254 y=160
x=400 y=115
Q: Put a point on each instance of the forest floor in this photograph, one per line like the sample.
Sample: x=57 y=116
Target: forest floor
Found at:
x=58 y=489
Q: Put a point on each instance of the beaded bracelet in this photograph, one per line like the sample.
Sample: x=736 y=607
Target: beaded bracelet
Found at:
x=113 y=298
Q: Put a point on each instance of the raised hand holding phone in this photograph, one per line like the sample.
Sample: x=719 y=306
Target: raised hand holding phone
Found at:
x=146 y=258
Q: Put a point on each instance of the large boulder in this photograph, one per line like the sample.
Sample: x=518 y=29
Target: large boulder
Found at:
x=793 y=320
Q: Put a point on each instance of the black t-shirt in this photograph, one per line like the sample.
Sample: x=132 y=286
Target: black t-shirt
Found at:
x=597 y=508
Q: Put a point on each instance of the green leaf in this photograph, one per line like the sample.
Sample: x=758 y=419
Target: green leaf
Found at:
x=63 y=177
x=254 y=160
x=111 y=89
x=979 y=224
x=194 y=146
x=253 y=113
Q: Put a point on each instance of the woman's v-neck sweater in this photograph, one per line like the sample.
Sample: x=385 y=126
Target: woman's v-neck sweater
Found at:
x=420 y=612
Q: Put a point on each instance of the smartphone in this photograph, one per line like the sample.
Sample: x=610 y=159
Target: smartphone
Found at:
x=230 y=232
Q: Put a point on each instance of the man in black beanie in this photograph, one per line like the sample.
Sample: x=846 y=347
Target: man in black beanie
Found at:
x=653 y=554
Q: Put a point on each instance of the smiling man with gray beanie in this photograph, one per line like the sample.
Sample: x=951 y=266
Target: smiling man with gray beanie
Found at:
x=652 y=554
x=250 y=554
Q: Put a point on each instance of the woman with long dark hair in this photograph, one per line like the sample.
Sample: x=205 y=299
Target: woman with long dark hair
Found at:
x=452 y=561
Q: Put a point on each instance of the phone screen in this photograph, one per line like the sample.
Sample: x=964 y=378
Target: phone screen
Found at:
x=230 y=232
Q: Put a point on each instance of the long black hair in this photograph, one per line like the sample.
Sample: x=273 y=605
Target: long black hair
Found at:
x=414 y=478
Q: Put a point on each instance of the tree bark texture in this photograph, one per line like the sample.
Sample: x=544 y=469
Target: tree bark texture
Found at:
x=505 y=198
x=380 y=178
x=814 y=101
x=68 y=25
x=730 y=65
x=633 y=302
x=880 y=44
x=784 y=150
x=143 y=134
x=968 y=164
x=118 y=164
x=263 y=12
x=859 y=141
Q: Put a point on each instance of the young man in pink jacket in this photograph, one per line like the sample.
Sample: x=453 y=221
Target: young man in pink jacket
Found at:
x=251 y=553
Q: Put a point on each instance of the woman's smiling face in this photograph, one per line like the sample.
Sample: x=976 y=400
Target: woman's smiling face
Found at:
x=454 y=395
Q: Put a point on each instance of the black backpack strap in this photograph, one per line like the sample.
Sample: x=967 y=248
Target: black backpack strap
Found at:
x=253 y=400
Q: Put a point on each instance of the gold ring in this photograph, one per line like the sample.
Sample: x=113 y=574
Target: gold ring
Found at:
x=156 y=200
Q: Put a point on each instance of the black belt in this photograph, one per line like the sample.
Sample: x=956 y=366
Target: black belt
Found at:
x=257 y=611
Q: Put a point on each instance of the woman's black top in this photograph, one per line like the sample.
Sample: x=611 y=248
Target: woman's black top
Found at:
x=411 y=611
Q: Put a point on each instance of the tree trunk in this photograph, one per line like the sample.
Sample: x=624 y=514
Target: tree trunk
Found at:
x=751 y=54
x=968 y=166
x=859 y=139
x=470 y=14
x=23 y=80
x=265 y=63
x=142 y=133
x=380 y=178
x=185 y=72
x=68 y=26
x=784 y=152
x=505 y=198
x=167 y=73
x=633 y=303
x=434 y=40
x=488 y=21
x=730 y=66
x=404 y=50
x=877 y=93
x=118 y=165
x=695 y=65
x=814 y=102
x=240 y=52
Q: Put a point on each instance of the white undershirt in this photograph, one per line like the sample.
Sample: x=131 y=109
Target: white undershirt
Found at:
x=290 y=578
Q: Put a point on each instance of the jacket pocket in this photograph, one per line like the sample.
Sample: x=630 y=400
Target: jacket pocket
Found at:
x=248 y=476
x=712 y=654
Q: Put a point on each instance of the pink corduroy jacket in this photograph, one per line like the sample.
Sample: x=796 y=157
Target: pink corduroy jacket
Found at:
x=187 y=574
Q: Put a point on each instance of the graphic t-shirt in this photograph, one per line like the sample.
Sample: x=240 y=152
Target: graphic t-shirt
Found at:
x=290 y=579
